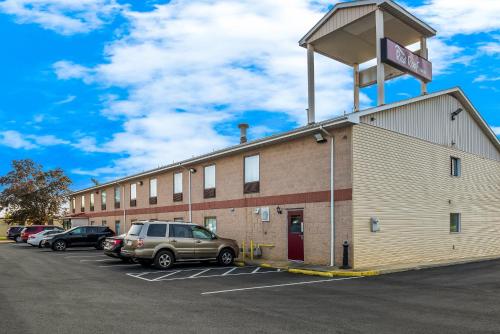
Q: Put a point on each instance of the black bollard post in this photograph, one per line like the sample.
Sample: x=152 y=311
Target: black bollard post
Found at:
x=345 y=255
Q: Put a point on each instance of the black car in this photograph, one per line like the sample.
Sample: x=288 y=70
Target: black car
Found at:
x=14 y=233
x=80 y=236
x=113 y=247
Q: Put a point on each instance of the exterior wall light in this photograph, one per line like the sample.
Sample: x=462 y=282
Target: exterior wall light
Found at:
x=319 y=138
x=278 y=210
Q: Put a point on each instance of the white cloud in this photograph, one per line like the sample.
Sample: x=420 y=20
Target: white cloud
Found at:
x=491 y=48
x=15 y=139
x=452 y=17
x=66 y=17
x=496 y=130
x=68 y=70
x=68 y=99
x=483 y=78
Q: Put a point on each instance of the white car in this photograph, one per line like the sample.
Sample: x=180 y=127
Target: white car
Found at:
x=36 y=239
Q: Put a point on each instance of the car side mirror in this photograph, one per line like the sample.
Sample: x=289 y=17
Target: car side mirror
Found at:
x=214 y=236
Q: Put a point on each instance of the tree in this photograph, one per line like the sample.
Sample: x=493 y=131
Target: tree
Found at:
x=32 y=195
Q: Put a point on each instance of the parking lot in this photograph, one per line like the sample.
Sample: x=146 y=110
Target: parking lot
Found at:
x=84 y=291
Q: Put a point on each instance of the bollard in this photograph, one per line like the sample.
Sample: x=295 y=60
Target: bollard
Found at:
x=345 y=257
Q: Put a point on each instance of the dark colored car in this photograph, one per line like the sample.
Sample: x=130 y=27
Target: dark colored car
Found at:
x=113 y=247
x=81 y=236
x=34 y=229
x=14 y=233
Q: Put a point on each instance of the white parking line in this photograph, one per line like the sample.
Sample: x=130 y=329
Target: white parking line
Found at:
x=198 y=274
x=211 y=276
x=78 y=256
x=103 y=260
x=230 y=270
x=279 y=285
x=255 y=270
x=139 y=276
x=172 y=273
x=117 y=265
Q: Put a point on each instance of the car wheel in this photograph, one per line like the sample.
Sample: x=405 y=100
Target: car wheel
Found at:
x=59 y=245
x=18 y=239
x=40 y=244
x=145 y=263
x=133 y=260
x=226 y=257
x=163 y=260
x=100 y=244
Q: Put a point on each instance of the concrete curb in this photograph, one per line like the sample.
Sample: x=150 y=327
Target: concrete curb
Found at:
x=333 y=273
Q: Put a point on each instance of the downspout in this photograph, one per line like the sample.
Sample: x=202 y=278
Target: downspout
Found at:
x=332 y=195
x=189 y=170
x=124 y=210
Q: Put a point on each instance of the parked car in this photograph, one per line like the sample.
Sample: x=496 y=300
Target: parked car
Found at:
x=80 y=236
x=34 y=229
x=162 y=243
x=113 y=247
x=36 y=239
x=14 y=233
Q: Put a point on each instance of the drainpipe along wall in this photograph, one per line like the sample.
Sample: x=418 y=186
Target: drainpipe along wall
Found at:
x=332 y=196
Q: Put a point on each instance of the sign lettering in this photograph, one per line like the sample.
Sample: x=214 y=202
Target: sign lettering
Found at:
x=404 y=60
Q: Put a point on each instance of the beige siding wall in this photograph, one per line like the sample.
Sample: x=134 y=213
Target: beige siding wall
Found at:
x=405 y=182
x=431 y=120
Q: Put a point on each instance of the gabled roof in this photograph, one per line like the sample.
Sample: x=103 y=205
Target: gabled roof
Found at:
x=388 y=5
x=456 y=92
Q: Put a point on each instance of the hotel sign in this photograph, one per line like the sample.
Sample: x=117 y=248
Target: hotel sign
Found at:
x=404 y=60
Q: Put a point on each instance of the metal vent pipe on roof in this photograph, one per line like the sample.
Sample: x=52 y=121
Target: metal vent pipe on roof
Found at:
x=243 y=132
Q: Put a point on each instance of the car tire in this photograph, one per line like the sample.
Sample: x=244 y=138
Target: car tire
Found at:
x=164 y=259
x=226 y=257
x=145 y=263
x=18 y=239
x=100 y=244
x=59 y=246
x=40 y=244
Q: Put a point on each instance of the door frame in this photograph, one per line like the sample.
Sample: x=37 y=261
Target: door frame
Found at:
x=290 y=212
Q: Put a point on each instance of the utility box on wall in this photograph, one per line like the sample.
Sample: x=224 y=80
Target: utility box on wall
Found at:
x=264 y=215
x=374 y=224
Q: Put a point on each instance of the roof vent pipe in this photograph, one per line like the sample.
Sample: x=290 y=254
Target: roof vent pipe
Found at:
x=243 y=132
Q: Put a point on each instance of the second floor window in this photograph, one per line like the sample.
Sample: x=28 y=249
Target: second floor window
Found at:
x=82 y=209
x=252 y=174
x=133 y=194
x=103 y=200
x=177 y=187
x=209 y=181
x=153 y=191
x=118 y=196
x=92 y=202
x=455 y=166
x=73 y=204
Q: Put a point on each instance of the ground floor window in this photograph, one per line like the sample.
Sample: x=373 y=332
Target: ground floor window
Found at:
x=92 y=223
x=104 y=223
x=178 y=219
x=117 y=227
x=455 y=223
x=211 y=224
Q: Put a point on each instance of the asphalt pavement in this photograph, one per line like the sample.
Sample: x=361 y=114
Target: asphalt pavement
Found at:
x=83 y=291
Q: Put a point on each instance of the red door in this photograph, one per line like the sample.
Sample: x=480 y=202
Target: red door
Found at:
x=296 y=235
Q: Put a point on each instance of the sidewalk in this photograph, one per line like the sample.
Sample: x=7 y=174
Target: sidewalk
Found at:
x=328 y=271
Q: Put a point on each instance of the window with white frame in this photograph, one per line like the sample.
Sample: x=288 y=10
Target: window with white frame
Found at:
x=133 y=194
x=211 y=224
x=178 y=186
x=73 y=204
x=82 y=209
x=153 y=191
x=455 y=223
x=252 y=174
x=455 y=166
x=103 y=200
x=118 y=195
x=92 y=202
x=209 y=181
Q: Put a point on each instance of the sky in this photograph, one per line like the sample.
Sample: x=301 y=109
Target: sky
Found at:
x=107 y=88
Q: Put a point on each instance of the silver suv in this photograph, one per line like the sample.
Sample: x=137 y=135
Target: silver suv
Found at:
x=162 y=243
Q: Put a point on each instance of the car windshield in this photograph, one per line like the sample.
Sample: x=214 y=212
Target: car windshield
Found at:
x=135 y=229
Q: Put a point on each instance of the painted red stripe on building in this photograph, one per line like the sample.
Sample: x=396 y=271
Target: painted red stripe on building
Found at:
x=310 y=197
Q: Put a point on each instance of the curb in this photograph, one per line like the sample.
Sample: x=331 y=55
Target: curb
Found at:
x=334 y=273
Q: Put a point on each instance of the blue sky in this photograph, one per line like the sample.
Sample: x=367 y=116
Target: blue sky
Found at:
x=104 y=88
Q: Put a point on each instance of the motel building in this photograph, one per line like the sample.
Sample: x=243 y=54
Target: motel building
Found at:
x=410 y=182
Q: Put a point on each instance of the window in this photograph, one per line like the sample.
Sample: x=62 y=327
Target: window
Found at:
x=92 y=223
x=77 y=230
x=117 y=197
x=153 y=199
x=73 y=204
x=178 y=219
x=82 y=209
x=133 y=194
x=455 y=223
x=201 y=233
x=92 y=230
x=117 y=227
x=209 y=181
x=180 y=231
x=92 y=202
x=252 y=175
x=178 y=187
x=211 y=224
x=455 y=166
x=135 y=229
x=157 y=230
x=104 y=223
x=103 y=200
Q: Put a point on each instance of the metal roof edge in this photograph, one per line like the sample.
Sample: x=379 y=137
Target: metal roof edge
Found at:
x=345 y=119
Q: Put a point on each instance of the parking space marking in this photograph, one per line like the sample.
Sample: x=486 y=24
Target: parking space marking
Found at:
x=103 y=260
x=198 y=274
x=279 y=285
x=172 y=273
x=229 y=271
x=255 y=270
x=79 y=256
x=117 y=265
